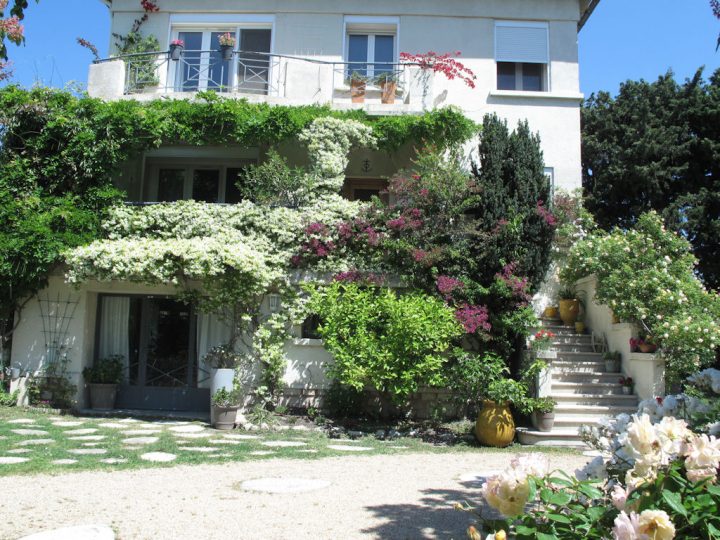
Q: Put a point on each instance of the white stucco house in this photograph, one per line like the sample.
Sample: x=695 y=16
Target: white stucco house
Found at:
x=295 y=52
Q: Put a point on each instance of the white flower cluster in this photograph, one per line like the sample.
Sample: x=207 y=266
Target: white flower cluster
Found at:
x=648 y=525
x=508 y=491
x=707 y=379
x=329 y=141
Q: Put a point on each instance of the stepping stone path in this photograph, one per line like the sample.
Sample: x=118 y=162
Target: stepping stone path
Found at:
x=83 y=532
x=223 y=441
x=284 y=485
x=87 y=438
x=348 y=448
x=30 y=442
x=64 y=461
x=91 y=444
x=160 y=457
x=113 y=461
x=88 y=451
x=29 y=432
x=400 y=447
x=19 y=451
x=194 y=435
x=308 y=451
x=129 y=421
x=200 y=448
x=283 y=444
x=12 y=460
x=21 y=421
x=240 y=436
x=187 y=429
x=84 y=431
x=141 y=440
x=261 y=453
x=113 y=425
x=141 y=431
x=68 y=423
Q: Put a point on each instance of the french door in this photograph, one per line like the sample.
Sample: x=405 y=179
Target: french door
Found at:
x=203 y=68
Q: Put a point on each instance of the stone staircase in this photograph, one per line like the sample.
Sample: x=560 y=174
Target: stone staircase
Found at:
x=583 y=390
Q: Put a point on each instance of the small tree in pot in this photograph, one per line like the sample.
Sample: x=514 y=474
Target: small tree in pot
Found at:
x=612 y=361
x=103 y=379
x=225 y=405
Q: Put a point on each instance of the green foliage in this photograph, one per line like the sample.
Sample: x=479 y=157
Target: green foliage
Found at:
x=656 y=146
x=8 y=399
x=343 y=401
x=542 y=405
x=274 y=182
x=646 y=276
x=469 y=376
x=105 y=371
x=393 y=343
x=227 y=398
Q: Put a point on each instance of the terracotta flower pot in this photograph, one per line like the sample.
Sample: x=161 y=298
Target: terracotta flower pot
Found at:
x=357 y=90
x=495 y=425
x=647 y=347
x=569 y=310
x=388 y=92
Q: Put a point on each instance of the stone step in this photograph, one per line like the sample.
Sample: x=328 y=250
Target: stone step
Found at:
x=570 y=410
x=565 y=368
x=571 y=388
x=585 y=401
x=557 y=437
x=563 y=348
x=580 y=357
x=571 y=376
x=560 y=330
x=561 y=339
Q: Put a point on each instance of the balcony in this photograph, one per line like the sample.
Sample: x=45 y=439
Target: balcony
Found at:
x=281 y=79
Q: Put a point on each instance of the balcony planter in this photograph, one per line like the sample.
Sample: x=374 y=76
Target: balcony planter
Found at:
x=357 y=90
x=226 y=52
x=176 y=51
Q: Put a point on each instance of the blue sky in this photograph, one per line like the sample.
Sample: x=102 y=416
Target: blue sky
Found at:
x=624 y=39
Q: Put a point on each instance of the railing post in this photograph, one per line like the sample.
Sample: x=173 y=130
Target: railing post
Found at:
x=106 y=80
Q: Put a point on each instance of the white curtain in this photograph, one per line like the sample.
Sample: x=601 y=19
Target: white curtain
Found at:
x=212 y=330
x=114 y=322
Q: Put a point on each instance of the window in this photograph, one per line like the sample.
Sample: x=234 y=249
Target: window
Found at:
x=521 y=53
x=371 y=46
x=203 y=180
x=202 y=66
x=310 y=328
x=363 y=189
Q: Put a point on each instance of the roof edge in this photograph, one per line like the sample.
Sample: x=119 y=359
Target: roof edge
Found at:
x=592 y=4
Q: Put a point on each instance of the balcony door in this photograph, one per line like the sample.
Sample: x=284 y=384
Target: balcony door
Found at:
x=202 y=67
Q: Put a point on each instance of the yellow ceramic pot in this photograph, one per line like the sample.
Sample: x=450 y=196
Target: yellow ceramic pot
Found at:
x=495 y=425
x=579 y=327
x=551 y=312
x=569 y=310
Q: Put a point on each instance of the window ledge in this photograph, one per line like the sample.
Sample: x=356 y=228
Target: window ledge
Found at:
x=307 y=342
x=535 y=95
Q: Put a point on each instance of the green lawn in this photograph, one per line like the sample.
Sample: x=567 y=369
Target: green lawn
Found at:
x=56 y=441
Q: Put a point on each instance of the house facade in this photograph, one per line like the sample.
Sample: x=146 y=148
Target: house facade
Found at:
x=301 y=52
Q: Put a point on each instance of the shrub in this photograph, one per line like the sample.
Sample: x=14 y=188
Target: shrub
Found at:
x=646 y=275
x=343 y=401
x=105 y=371
x=227 y=398
x=379 y=338
x=8 y=399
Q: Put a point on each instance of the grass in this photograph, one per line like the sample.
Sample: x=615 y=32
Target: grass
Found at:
x=41 y=456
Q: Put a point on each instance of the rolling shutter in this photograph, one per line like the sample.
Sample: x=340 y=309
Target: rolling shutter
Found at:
x=521 y=43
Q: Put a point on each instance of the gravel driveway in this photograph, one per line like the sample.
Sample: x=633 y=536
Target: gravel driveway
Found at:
x=383 y=496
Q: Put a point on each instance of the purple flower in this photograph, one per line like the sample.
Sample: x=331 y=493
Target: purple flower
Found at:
x=446 y=285
x=473 y=318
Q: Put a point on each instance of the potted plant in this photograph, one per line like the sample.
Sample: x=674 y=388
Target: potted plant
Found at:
x=387 y=81
x=176 y=49
x=225 y=404
x=612 y=361
x=357 y=87
x=227 y=44
x=627 y=385
x=103 y=379
x=543 y=415
x=541 y=344
x=551 y=312
x=495 y=425
x=569 y=306
x=646 y=345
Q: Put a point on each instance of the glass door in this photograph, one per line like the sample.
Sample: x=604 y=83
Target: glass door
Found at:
x=254 y=69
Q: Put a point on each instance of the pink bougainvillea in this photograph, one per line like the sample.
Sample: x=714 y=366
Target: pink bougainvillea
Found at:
x=149 y=6
x=518 y=285
x=546 y=214
x=13 y=29
x=356 y=276
x=441 y=63
x=473 y=318
x=447 y=285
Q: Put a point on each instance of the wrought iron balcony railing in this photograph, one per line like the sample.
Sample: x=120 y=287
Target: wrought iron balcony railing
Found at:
x=267 y=74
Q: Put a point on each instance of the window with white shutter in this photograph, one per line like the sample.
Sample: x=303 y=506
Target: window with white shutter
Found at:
x=522 y=55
